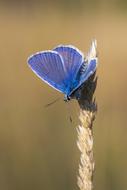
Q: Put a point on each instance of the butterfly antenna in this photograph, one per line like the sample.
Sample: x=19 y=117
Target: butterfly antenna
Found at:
x=47 y=105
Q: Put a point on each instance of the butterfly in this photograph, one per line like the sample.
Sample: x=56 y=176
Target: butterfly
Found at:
x=65 y=68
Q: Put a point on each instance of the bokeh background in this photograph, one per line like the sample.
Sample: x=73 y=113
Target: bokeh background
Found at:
x=38 y=145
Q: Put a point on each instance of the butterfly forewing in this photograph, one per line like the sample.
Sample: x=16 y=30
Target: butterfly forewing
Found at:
x=49 y=66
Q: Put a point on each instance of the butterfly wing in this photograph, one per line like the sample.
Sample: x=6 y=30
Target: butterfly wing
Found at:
x=49 y=66
x=87 y=68
x=90 y=69
x=63 y=68
x=73 y=59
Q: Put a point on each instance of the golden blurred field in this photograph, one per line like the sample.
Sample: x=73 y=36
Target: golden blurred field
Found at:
x=37 y=145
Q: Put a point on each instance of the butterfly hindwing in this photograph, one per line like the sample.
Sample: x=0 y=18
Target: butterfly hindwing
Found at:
x=72 y=57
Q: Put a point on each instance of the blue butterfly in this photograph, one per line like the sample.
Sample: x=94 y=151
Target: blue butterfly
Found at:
x=64 y=68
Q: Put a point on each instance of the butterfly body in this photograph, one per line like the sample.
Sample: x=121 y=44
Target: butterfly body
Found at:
x=64 y=68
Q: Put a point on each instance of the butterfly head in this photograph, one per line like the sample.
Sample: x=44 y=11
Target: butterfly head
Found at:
x=67 y=98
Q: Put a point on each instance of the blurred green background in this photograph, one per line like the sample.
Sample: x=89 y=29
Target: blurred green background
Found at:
x=38 y=145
